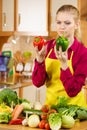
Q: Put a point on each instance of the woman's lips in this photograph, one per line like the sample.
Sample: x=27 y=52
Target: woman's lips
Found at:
x=62 y=33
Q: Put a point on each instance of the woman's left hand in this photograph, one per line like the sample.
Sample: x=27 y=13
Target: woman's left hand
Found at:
x=62 y=57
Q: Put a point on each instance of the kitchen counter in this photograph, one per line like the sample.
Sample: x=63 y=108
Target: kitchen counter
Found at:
x=78 y=126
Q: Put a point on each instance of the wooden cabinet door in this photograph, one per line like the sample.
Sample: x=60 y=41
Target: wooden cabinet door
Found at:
x=32 y=17
x=7 y=15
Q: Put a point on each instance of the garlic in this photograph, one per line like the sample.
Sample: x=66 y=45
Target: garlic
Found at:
x=25 y=122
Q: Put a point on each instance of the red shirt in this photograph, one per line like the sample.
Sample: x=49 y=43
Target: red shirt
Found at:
x=72 y=83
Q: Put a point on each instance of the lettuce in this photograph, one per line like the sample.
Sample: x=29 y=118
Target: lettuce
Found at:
x=55 y=121
x=5 y=117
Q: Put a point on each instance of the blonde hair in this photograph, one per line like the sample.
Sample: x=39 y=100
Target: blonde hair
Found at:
x=75 y=12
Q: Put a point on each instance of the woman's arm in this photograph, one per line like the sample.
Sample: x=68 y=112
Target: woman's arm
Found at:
x=73 y=82
x=39 y=74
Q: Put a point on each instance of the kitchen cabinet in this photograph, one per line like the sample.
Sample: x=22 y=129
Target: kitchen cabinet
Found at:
x=6 y=17
x=82 y=6
x=32 y=17
x=27 y=22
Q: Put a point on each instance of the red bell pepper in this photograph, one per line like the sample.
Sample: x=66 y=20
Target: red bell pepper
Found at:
x=39 y=41
x=16 y=121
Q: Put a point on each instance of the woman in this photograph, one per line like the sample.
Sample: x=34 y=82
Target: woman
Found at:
x=63 y=72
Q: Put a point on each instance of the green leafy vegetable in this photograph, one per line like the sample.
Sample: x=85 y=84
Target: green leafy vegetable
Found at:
x=63 y=106
x=67 y=114
x=82 y=113
x=55 y=121
x=8 y=96
x=27 y=105
x=62 y=101
x=5 y=117
x=23 y=100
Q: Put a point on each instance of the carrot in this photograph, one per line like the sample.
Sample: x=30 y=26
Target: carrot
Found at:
x=17 y=111
x=13 y=112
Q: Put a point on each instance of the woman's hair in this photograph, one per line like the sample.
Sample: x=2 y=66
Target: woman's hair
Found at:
x=73 y=10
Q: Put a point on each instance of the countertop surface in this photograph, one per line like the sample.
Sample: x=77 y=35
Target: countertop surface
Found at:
x=78 y=126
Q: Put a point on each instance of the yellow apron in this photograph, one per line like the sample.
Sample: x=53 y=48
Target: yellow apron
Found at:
x=54 y=85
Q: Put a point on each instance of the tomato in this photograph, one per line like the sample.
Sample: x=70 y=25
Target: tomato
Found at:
x=52 y=111
x=47 y=126
x=45 y=108
x=42 y=124
x=43 y=116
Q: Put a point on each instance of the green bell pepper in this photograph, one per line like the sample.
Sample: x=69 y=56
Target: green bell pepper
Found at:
x=63 y=42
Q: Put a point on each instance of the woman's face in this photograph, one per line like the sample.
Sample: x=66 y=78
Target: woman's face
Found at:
x=65 y=24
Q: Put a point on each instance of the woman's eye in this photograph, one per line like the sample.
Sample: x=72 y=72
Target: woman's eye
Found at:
x=67 y=23
x=58 y=22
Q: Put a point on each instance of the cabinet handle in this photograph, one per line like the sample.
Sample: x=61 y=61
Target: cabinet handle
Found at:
x=4 y=19
x=19 y=20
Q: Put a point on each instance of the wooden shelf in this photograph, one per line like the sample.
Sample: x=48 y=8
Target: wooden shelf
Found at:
x=6 y=33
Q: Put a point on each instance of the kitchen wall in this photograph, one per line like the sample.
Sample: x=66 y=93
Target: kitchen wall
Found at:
x=21 y=43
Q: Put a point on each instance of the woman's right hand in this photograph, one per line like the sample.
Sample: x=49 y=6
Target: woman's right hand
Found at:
x=40 y=54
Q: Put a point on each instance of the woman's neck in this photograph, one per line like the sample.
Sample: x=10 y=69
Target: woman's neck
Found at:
x=71 y=40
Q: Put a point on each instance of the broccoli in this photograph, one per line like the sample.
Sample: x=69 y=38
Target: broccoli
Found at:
x=55 y=121
x=8 y=96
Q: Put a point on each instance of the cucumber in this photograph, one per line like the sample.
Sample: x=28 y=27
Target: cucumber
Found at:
x=33 y=111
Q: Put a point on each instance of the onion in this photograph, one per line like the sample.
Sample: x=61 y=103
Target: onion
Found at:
x=33 y=120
